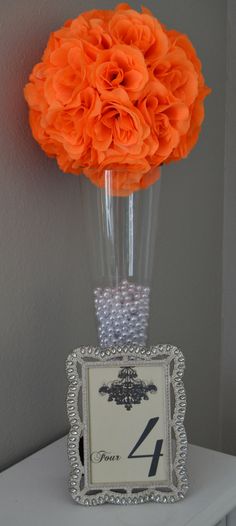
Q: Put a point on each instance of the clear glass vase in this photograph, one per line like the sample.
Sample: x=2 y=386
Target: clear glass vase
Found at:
x=121 y=232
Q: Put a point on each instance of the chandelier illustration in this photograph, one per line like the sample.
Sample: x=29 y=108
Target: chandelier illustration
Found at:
x=128 y=390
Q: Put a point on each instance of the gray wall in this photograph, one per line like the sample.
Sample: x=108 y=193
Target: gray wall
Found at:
x=46 y=309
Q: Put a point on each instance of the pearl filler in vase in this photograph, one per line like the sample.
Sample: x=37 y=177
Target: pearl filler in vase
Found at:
x=122 y=314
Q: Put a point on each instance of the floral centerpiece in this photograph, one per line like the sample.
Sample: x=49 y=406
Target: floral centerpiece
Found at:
x=115 y=96
x=117 y=88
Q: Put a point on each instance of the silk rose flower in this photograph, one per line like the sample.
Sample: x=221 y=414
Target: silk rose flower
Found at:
x=116 y=90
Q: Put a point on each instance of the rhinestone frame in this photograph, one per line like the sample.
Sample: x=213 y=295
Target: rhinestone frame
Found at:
x=133 y=353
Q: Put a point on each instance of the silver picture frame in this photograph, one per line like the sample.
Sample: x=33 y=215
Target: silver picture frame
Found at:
x=83 y=365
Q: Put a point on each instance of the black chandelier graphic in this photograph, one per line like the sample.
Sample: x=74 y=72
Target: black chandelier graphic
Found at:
x=129 y=390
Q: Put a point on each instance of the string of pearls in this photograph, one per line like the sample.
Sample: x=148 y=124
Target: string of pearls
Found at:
x=122 y=313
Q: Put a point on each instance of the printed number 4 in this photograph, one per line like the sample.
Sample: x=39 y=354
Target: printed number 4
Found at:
x=157 y=451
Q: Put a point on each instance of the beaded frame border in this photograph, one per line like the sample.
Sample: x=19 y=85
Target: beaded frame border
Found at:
x=179 y=481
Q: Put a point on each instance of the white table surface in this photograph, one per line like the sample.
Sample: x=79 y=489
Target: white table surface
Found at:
x=34 y=493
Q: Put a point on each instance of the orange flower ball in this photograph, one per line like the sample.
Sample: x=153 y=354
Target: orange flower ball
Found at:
x=116 y=90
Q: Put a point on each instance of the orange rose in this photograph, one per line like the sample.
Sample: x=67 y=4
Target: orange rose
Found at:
x=120 y=66
x=91 y=28
x=140 y=30
x=167 y=117
x=177 y=74
x=58 y=79
x=51 y=147
x=70 y=127
x=188 y=140
x=182 y=41
x=119 y=134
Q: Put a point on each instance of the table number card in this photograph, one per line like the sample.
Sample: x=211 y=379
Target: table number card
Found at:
x=127 y=443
